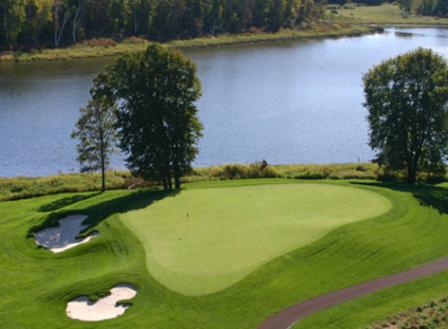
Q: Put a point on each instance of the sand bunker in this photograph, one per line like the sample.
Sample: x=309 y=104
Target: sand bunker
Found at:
x=63 y=237
x=81 y=308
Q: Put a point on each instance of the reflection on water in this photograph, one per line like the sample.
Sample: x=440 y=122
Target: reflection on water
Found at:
x=296 y=102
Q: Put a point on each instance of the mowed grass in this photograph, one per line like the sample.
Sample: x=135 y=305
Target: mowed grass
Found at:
x=35 y=284
x=383 y=14
x=204 y=240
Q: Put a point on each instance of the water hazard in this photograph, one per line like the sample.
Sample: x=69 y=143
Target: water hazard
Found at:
x=295 y=102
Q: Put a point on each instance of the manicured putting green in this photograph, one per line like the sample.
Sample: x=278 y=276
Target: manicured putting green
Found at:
x=204 y=240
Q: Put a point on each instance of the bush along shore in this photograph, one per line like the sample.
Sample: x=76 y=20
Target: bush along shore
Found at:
x=104 y=47
x=26 y=187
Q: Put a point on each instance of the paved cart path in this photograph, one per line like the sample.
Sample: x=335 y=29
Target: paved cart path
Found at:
x=287 y=317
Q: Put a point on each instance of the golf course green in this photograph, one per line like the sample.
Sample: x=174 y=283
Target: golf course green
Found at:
x=290 y=240
x=204 y=240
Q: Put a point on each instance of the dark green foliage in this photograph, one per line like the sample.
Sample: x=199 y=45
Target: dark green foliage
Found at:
x=97 y=136
x=407 y=99
x=157 y=118
x=50 y=23
x=433 y=8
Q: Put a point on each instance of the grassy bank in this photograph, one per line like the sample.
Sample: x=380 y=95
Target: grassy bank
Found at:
x=385 y=14
x=25 y=187
x=86 y=51
x=412 y=232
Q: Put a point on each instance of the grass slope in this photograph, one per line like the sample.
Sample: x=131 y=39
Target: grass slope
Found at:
x=204 y=240
x=36 y=284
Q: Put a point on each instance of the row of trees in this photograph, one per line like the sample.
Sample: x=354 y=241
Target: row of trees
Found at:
x=431 y=7
x=437 y=8
x=64 y=22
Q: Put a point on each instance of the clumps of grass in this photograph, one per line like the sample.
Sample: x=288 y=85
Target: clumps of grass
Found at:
x=309 y=171
x=133 y=40
x=27 y=187
x=234 y=171
x=99 y=295
x=432 y=315
x=100 y=42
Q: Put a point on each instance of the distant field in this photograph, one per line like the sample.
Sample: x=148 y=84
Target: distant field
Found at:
x=204 y=240
x=383 y=14
x=35 y=284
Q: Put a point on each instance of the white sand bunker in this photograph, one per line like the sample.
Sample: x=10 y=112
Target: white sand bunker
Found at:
x=81 y=308
x=63 y=237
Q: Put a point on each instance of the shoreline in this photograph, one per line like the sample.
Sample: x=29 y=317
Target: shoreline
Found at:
x=80 y=52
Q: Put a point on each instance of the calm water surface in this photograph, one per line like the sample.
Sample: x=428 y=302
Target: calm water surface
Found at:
x=297 y=102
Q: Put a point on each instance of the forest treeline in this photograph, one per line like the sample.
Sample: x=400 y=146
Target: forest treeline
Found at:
x=54 y=23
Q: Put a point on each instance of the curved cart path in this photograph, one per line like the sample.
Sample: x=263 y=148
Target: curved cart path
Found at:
x=287 y=317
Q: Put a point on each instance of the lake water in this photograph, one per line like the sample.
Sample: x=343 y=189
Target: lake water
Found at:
x=295 y=102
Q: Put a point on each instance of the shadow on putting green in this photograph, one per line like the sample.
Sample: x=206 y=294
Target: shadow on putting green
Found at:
x=429 y=196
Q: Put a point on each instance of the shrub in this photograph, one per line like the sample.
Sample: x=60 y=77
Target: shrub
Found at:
x=133 y=40
x=100 y=42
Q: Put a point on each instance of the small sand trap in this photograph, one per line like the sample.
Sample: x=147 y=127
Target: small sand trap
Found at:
x=63 y=237
x=81 y=308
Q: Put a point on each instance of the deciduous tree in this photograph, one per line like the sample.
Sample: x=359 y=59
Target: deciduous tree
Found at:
x=407 y=100
x=157 y=117
x=97 y=136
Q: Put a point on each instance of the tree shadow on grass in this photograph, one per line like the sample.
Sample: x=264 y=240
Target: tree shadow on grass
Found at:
x=61 y=203
x=99 y=212
x=429 y=196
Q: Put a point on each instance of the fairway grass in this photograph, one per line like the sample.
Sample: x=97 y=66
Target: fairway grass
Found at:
x=36 y=285
x=204 y=240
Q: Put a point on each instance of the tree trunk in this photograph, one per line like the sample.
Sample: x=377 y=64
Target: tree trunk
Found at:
x=412 y=173
x=169 y=180
x=103 y=155
x=165 y=186
x=5 y=26
x=103 y=173
x=76 y=22
x=57 y=36
x=56 y=19
x=103 y=179
x=177 y=175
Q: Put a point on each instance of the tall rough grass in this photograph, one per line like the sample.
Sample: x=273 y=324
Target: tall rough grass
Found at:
x=26 y=187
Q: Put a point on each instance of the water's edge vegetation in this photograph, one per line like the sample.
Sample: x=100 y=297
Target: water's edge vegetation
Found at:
x=15 y=188
x=99 y=49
